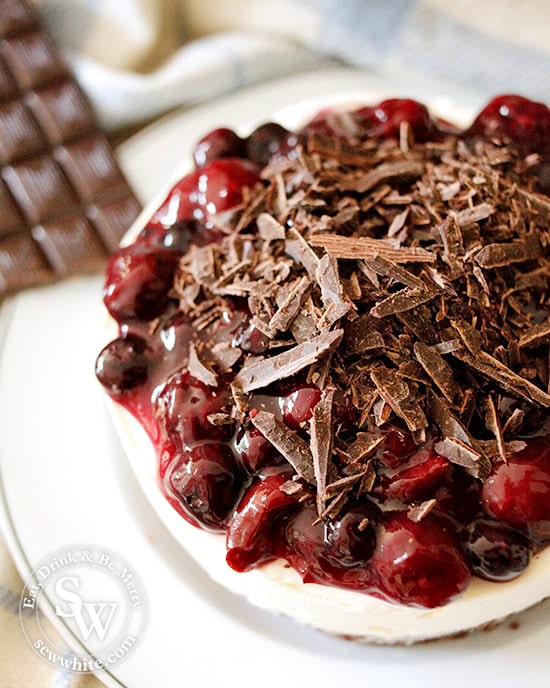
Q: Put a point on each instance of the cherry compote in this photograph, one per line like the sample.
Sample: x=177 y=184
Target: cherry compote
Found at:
x=426 y=524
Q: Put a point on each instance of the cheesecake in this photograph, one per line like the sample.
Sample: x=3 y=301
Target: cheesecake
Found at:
x=333 y=346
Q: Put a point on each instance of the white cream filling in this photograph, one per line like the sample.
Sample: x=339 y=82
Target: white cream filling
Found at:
x=279 y=588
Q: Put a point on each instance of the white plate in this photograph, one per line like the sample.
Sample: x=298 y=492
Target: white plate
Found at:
x=65 y=480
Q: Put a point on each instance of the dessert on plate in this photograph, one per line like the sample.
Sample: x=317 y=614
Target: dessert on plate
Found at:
x=337 y=342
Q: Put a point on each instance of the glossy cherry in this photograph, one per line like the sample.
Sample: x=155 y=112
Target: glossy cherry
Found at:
x=138 y=281
x=207 y=483
x=250 y=532
x=123 y=365
x=218 y=143
x=420 y=563
x=518 y=491
x=269 y=141
x=183 y=407
x=496 y=551
x=384 y=120
x=515 y=119
x=212 y=189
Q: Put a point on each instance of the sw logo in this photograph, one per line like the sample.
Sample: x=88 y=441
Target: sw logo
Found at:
x=90 y=617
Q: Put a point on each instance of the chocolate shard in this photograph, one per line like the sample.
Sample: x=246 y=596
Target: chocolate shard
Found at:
x=397 y=393
x=300 y=251
x=388 y=268
x=504 y=377
x=401 y=301
x=438 y=369
x=475 y=214
x=445 y=419
x=263 y=373
x=269 y=229
x=492 y=421
x=417 y=513
x=287 y=442
x=321 y=443
x=535 y=336
x=219 y=418
x=290 y=306
x=499 y=255
x=199 y=370
x=332 y=291
x=365 y=248
x=345 y=484
x=225 y=355
x=364 y=446
x=387 y=172
x=362 y=335
x=462 y=454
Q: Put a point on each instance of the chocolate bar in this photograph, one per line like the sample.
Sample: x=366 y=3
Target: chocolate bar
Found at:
x=64 y=203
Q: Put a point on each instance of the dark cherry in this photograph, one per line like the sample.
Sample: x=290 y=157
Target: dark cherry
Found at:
x=419 y=563
x=496 y=551
x=212 y=189
x=207 y=483
x=518 y=491
x=123 y=365
x=250 y=339
x=351 y=539
x=253 y=448
x=219 y=143
x=419 y=479
x=323 y=561
x=399 y=444
x=179 y=236
x=138 y=281
x=383 y=121
x=183 y=407
x=458 y=498
x=516 y=119
x=250 y=532
x=297 y=405
x=268 y=141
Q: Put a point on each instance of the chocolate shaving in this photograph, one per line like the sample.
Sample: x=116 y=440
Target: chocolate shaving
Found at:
x=438 y=369
x=535 y=336
x=199 y=370
x=300 y=251
x=492 y=421
x=499 y=255
x=364 y=446
x=460 y=453
x=397 y=394
x=291 y=487
x=263 y=373
x=387 y=268
x=504 y=377
x=332 y=292
x=363 y=247
x=475 y=214
x=417 y=513
x=388 y=172
x=269 y=229
x=321 y=443
x=401 y=301
x=344 y=484
x=289 y=308
x=219 y=418
x=287 y=442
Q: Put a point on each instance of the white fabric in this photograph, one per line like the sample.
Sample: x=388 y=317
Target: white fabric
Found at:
x=139 y=58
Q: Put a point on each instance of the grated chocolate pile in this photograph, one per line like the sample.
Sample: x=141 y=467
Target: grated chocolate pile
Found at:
x=409 y=281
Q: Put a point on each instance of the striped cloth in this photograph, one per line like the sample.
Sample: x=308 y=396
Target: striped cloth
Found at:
x=139 y=58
